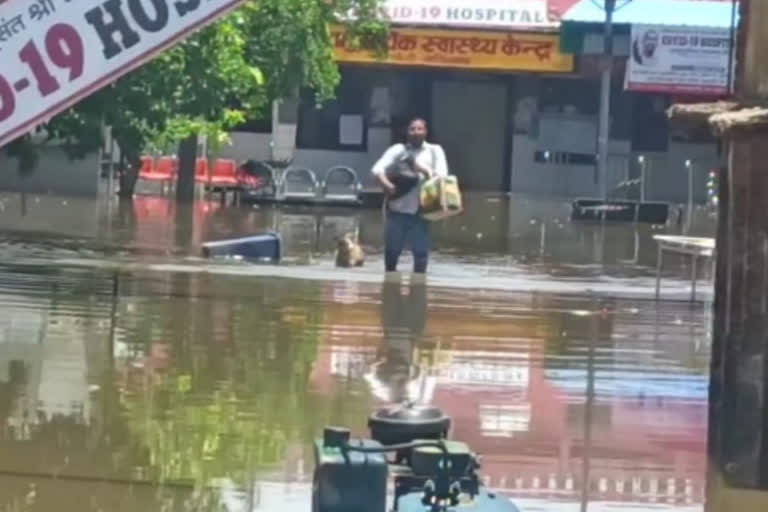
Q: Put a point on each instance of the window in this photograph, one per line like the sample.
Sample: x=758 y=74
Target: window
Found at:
x=339 y=124
x=650 y=127
x=564 y=158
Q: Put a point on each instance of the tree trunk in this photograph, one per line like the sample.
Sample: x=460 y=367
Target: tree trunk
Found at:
x=185 y=182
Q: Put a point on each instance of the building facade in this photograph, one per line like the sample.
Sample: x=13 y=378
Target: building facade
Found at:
x=513 y=104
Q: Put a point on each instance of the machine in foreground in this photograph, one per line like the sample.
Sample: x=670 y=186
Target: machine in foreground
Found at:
x=430 y=472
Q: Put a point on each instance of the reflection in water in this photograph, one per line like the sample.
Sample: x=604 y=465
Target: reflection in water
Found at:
x=403 y=318
x=190 y=392
x=165 y=391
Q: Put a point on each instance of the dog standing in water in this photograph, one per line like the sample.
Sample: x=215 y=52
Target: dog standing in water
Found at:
x=348 y=252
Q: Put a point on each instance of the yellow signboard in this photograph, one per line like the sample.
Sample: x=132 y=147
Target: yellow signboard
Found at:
x=497 y=51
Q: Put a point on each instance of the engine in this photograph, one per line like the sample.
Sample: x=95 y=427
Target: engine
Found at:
x=410 y=444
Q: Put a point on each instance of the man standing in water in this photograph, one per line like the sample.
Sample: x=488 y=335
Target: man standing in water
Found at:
x=400 y=171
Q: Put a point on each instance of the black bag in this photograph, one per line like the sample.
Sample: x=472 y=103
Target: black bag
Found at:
x=402 y=175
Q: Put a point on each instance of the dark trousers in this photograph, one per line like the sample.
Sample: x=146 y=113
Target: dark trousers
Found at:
x=402 y=229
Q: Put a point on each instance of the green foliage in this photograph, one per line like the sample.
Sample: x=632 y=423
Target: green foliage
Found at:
x=226 y=73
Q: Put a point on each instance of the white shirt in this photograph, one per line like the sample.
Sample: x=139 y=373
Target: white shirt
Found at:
x=428 y=155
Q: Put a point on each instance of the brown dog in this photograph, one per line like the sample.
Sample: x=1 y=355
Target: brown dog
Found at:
x=348 y=252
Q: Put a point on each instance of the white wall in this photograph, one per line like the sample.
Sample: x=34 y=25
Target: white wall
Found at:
x=55 y=174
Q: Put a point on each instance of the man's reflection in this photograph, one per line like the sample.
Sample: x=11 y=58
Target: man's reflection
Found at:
x=403 y=317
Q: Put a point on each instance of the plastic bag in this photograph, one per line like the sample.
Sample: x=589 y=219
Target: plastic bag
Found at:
x=441 y=198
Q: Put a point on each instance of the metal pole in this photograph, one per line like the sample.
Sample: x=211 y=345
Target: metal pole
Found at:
x=111 y=167
x=732 y=50
x=643 y=171
x=605 y=100
x=689 y=220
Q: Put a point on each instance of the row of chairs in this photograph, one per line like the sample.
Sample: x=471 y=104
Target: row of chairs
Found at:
x=165 y=169
x=339 y=183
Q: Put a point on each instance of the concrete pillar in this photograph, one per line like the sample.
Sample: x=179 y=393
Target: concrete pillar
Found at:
x=738 y=441
x=738 y=437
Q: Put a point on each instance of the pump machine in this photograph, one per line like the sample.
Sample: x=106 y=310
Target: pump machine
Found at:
x=431 y=473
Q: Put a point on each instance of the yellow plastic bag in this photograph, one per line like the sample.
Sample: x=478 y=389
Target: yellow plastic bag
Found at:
x=440 y=198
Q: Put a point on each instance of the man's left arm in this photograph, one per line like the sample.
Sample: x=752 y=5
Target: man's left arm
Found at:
x=441 y=162
x=438 y=160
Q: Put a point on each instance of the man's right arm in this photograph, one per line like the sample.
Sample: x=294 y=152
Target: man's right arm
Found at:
x=380 y=168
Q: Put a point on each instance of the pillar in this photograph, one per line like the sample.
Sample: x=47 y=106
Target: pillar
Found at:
x=738 y=412
x=738 y=416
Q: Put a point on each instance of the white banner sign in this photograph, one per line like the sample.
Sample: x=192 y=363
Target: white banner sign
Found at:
x=520 y=14
x=55 y=52
x=679 y=60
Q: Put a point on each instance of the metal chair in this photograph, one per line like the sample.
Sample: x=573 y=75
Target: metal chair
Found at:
x=341 y=184
x=298 y=183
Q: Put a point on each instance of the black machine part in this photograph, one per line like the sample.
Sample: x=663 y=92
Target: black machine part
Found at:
x=448 y=469
x=407 y=422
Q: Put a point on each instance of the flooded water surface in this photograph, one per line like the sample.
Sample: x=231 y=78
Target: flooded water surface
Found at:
x=136 y=377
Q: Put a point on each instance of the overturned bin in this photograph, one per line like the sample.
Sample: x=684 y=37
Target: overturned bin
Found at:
x=265 y=247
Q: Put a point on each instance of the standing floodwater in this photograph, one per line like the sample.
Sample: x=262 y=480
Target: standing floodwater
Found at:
x=143 y=379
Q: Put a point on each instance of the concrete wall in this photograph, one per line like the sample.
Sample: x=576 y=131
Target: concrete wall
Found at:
x=248 y=145
x=554 y=179
x=55 y=174
x=667 y=174
x=321 y=160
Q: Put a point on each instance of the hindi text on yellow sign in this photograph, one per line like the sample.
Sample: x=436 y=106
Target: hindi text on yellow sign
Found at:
x=462 y=49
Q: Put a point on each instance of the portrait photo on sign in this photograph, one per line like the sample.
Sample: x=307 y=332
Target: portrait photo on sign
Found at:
x=644 y=48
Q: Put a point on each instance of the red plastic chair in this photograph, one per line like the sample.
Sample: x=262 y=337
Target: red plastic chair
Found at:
x=224 y=174
x=149 y=172
x=147 y=162
x=201 y=170
x=166 y=168
x=247 y=180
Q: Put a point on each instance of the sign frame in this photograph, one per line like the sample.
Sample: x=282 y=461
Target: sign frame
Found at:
x=679 y=60
x=37 y=30
x=478 y=14
x=472 y=50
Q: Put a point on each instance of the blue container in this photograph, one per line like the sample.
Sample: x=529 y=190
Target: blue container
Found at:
x=259 y=247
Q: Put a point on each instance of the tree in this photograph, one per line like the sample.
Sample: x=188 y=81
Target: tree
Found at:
x=226 y=73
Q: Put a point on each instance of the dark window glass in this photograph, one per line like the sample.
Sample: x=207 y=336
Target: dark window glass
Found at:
x=318 y=126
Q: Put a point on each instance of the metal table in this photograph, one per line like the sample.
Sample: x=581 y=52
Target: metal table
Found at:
x=694 y=247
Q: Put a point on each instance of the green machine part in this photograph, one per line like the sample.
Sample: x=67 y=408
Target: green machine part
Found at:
x=428 y=460
x=349 y=481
